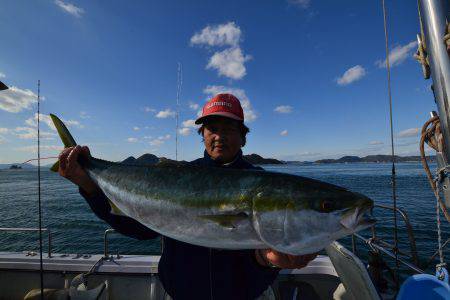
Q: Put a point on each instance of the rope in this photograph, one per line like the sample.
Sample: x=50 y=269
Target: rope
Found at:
x=438 y=221
x=394 y=196
x=433 y=137
x=421 y=53
x=447 y=38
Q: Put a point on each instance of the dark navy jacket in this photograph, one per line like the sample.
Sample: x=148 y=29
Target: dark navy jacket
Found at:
x=193 y=272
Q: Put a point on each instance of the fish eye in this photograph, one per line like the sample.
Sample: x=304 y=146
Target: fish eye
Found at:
x=326 y=206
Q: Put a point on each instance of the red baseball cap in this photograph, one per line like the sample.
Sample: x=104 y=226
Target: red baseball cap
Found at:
x=225 y=105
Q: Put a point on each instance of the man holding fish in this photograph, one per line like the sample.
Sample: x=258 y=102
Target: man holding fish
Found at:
x=235 y=274
x=228 y=225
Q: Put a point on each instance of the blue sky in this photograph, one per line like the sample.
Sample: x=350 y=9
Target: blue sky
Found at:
x=310 y=74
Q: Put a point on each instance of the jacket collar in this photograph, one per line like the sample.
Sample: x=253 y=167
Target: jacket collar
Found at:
x=234 y=163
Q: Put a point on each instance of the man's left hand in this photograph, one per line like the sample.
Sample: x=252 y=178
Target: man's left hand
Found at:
x=281 y=260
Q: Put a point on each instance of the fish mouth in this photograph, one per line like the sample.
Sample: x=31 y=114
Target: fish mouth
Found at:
x=358 y=218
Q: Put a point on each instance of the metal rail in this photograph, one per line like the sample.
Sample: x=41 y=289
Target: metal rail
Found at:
x=23 y=229
x=370 y=243
x=409 y=229
x=105 y=244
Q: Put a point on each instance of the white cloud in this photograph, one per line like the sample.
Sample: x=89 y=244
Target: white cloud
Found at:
x=147 y=137
x=31 y=133
x=135 y=128
x=33 y=149
x=2 y=75
x=149 y=109
x=70 y=8
x=187 y=123
x=411 y=132
x=398 y=54
x=156 y=142
x=193 y=106
x=249 y=113
x=219 y=35
x=185 y=131
x=351 y=75
x=132 y=140
x=376 y=143
x=284 y=133
x=160 y=140
x=229 y=63
x=84 y=115
x=4 y=130
x=283 y=109
x=165 y=113
x=15 y=99
x=300 y=3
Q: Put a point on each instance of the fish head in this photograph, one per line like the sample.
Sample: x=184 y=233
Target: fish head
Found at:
x=312 y=219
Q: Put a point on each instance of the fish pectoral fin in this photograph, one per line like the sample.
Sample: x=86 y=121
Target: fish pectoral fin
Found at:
x=226 y=220
x=115 y=210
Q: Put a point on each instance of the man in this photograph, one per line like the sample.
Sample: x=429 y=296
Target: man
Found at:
x=188 y=271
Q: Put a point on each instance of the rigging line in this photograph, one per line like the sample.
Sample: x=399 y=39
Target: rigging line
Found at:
x=41 y=267
x=42 y=158
x=394 y=194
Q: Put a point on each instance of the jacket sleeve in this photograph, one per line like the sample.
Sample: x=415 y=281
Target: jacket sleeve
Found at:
x=122 y=224
x=259 y=277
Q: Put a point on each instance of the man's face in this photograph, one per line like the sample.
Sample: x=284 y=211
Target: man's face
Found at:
x=223 y=138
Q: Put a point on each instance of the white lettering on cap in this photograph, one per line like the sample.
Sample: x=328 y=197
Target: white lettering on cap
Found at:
x=220 y=104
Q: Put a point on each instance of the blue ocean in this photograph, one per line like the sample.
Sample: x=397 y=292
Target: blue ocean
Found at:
x=75 y=228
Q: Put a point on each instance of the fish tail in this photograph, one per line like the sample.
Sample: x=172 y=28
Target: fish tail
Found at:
x=65 y=136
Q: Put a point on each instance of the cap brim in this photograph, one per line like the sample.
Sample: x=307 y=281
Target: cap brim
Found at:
x=221 y=114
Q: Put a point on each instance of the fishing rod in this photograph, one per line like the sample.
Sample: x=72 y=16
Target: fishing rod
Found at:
x=41 y=265
x=393 y=174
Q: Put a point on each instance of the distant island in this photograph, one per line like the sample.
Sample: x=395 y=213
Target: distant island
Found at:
x=374 y=159
x=151 y=159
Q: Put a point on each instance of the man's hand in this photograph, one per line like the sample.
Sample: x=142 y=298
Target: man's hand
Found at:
x=268 y=257
x=70 y=168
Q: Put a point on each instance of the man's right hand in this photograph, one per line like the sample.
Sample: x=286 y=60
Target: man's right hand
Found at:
x=70 y=168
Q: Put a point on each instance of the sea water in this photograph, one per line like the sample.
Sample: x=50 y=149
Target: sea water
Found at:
x=76 y=229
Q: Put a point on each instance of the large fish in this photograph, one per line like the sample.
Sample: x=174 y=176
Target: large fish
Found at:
x=226 y=208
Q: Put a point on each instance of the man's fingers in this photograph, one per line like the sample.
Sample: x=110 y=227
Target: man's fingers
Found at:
x=63 y=158
x=73 y=157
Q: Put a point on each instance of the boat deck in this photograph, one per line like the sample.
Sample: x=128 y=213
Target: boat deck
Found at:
x=133 y=276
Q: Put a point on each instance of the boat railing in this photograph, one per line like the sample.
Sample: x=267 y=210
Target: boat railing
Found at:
x=377 y=243
x=106 y=243
x=23 y=229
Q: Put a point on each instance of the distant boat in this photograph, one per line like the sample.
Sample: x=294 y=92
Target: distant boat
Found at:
x=15 y=167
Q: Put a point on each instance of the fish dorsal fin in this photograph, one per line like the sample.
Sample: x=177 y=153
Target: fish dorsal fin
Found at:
x=229 y=220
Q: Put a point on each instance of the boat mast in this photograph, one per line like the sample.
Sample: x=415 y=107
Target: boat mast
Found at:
x=434 y=15
x=179 y=84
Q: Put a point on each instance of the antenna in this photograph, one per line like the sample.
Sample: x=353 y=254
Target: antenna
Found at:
x=179 y=84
